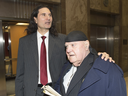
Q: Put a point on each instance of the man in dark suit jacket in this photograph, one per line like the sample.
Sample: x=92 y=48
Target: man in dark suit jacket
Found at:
x=27 y=81
x=86 y=74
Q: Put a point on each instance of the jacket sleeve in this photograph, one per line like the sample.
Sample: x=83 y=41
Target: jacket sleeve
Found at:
x=20 y=72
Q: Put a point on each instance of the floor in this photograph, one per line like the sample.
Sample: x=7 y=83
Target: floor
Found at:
x=11 y=85
x=126 y=80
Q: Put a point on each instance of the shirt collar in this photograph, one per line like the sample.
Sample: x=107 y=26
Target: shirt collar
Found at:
x=39 y=35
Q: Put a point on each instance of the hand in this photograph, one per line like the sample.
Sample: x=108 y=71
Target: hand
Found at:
x=105 y=56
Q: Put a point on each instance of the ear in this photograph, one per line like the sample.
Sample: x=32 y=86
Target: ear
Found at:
x=87 y=45
x=35 y=19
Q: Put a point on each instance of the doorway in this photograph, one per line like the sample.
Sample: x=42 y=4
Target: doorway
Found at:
x=101 y=38
x=11 y=34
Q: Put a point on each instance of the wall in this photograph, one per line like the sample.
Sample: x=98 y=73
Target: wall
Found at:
x=124 y=36
x=16 y=9
x=74 y=15
x=21 y=8
x=117 y=38
x=99 y=5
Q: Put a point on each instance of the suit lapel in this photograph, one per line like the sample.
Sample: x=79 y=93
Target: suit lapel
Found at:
x=51 y=45
x=34 y=47
x=81 y=72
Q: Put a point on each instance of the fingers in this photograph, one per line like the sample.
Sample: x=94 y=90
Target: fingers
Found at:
x=99 y=53
x=110 y=60
x=113 y=61
x=105 y=56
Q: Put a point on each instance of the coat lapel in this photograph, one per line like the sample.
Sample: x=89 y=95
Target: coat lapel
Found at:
x=90 y=79
x=92 y=76
x=81 y=72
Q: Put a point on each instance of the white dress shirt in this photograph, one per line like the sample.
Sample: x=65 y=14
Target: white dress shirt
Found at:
x=68 y=77
x=39 y=41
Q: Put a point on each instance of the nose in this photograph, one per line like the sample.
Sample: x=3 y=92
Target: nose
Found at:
x=48 y=17
x=68 y=49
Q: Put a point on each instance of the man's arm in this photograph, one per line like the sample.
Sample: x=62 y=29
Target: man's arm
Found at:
x=20 y=72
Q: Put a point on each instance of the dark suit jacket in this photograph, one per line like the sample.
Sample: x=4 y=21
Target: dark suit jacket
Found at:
x=27 y=65
x=103 y=79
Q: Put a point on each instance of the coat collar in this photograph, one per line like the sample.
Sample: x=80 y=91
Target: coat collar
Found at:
x=92 y=77
x=101 y=65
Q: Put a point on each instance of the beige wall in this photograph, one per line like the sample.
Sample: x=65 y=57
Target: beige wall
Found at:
x=113 y=6
x=76 y=17
x=16 y=32
x=124 y=36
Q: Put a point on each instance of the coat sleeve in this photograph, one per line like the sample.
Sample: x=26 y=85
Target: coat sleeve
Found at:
x=20 y=72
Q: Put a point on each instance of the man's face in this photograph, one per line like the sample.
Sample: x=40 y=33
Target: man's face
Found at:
x=76 y=52
x=44 y=19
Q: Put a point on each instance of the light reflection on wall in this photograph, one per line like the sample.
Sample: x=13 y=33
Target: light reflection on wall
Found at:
x=2 y=40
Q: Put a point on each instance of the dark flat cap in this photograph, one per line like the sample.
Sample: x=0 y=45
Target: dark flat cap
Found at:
x=76 y=36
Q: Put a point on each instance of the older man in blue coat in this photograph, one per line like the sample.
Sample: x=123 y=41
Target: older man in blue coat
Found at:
x=86 y=74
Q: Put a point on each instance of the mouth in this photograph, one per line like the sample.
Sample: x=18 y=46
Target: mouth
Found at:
x=48 y=23
x=71 y=55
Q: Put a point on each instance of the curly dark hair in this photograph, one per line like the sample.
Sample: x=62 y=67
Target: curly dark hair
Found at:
x=32 y=27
